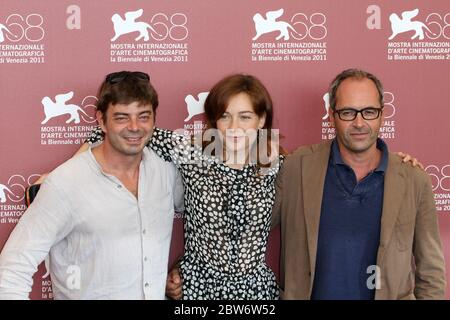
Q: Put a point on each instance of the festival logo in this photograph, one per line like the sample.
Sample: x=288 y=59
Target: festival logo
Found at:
x=195 y=106
x=59 y=107
x=440 y=179
x=149 y=38
x=66 y=122
x=5 y=190
x=21 y=39
x=12 y=195
x=130 y=25
x=269 y=24
x=419 y=36
x=2 y=29
x=404 y=24
x=298 y=38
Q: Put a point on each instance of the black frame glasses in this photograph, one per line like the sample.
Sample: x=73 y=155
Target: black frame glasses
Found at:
x=350 y=114
x=116 y=77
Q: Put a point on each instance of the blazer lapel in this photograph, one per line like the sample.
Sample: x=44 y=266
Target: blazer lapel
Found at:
x=394 y=189
x=314 y=169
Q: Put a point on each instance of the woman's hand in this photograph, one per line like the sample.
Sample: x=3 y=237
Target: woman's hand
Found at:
x=408 y=158
x=174 y=284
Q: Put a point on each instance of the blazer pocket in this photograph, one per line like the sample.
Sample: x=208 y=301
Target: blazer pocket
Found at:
x=404 y=233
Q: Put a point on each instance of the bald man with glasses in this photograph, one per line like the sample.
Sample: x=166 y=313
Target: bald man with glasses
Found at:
x=356 y=223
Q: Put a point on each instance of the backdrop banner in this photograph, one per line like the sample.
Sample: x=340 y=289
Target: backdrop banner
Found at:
x=54 y=55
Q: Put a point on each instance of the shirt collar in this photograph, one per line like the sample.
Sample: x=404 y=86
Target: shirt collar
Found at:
x=336 y=157
x=146 y=155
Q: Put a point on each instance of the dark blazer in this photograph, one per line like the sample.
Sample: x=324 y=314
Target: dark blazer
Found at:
x=409 y=256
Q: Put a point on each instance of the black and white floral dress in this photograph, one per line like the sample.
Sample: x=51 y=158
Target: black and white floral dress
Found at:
x=227 y=222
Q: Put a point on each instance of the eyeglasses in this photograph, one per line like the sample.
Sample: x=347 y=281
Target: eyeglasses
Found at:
x=116 y=77
x=349 y=114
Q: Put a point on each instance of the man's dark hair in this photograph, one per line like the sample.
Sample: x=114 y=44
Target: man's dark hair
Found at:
x=126 y=87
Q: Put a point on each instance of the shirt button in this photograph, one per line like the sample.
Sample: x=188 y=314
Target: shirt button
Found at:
x=145 y=259
x=144 y=231
x=146 y=285
x=119 y=186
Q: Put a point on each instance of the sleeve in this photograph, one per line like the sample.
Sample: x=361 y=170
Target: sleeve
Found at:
x=96 y=136
x=46 y=222
x=429 y=260
x=173 y=147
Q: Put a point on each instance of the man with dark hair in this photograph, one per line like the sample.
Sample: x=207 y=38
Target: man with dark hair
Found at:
x=355 y=222
x=105 y=216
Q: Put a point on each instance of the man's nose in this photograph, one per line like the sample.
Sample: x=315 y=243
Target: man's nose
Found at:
x=359 y=120
x=133 y=124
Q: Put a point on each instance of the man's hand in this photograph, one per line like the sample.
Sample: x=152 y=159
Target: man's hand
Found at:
x=174 y=284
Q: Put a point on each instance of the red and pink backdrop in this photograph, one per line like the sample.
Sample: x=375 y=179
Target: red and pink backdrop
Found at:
x=54 y=54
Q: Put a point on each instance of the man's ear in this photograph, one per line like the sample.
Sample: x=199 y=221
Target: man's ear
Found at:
x=100 y=120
